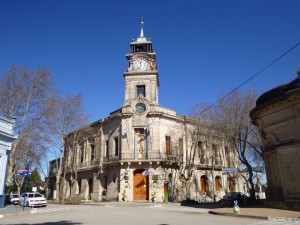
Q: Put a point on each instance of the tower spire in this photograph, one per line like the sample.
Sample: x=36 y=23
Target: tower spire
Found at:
x=142 y=38
x=142 y=28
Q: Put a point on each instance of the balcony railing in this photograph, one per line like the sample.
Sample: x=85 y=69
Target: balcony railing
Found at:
x=82 y=165
x=148 y=156
x=154 y=156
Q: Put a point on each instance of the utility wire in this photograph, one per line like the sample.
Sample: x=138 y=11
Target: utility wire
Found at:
x=252 y=77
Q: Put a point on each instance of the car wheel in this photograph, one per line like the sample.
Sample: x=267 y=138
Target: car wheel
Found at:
x=27 y=204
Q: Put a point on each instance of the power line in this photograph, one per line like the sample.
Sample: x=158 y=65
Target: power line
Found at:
x=253 y=76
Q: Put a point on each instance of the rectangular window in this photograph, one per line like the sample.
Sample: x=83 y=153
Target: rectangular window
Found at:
x=201 y=152
x=215 y=153
x=92 y=152
x=227 y=155
x=81 y=153
x=106 y=149
x=180 y=147
x=116 y=140
x=168 y=145
x=140 y=90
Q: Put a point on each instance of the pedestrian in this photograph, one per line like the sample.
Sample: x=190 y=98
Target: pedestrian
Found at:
x=104 y=195
x=236 y=208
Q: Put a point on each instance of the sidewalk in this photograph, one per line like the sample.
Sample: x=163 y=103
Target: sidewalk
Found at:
x=258 y=213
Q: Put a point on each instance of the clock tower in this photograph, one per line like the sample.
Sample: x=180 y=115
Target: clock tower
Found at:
x=141 y=77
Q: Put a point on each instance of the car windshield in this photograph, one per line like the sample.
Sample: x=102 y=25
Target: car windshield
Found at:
x=36 y=195
x=14 y=196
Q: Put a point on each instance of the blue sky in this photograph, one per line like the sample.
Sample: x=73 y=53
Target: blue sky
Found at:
x=204 y=48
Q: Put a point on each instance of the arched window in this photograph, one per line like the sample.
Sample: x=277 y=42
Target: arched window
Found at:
x=170 y=177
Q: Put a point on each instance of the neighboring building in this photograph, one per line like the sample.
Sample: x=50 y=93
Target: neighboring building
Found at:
x=50 y=191
x=277 y=115
x=6 y=138
x=143 y=151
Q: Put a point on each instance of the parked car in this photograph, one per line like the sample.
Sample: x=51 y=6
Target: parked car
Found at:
x=227 y=200
x=32 y=199
x=12 y=199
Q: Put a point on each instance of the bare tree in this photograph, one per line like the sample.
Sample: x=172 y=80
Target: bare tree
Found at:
x=231 y=117
x=64 y=115
x=24 y=94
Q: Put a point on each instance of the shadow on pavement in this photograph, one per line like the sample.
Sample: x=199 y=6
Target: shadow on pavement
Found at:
x=63 y=222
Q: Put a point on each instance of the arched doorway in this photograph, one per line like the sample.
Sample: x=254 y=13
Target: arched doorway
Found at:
x=203 y=184
x=230 y=184
x=218 y=184
x=140 y=186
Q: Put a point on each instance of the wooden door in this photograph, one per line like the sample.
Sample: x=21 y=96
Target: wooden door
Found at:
x=166 y=191
x=140 y=186
x=218 y=184
x=230 y=184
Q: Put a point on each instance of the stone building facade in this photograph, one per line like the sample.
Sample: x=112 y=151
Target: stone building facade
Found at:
x=146 y=152
x=277 y=115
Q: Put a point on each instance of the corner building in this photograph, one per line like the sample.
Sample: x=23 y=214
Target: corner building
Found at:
x=145 y=152
x=277 y=116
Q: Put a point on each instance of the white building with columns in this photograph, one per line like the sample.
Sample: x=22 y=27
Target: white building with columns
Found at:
x=6 y=138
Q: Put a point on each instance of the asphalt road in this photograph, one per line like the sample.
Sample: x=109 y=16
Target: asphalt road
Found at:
x=116 y=215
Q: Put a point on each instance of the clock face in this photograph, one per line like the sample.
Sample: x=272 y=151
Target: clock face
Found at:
x=140 y=65
x=140 y=107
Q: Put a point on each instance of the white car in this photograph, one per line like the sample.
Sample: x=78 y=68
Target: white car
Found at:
x=32 y=199
x=13 y=199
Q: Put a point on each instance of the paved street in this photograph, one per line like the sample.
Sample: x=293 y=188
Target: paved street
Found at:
x=116 y=215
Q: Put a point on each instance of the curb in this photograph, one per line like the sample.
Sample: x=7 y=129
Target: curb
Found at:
x=239 y=215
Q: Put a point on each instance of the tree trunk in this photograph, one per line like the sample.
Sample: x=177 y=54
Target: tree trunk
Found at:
x=252 y=187
x=57 y=185
x=11 y=167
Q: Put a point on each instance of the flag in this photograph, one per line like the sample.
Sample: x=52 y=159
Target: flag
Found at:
x=148 y=127
x=126 y=131
x=147 y=171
